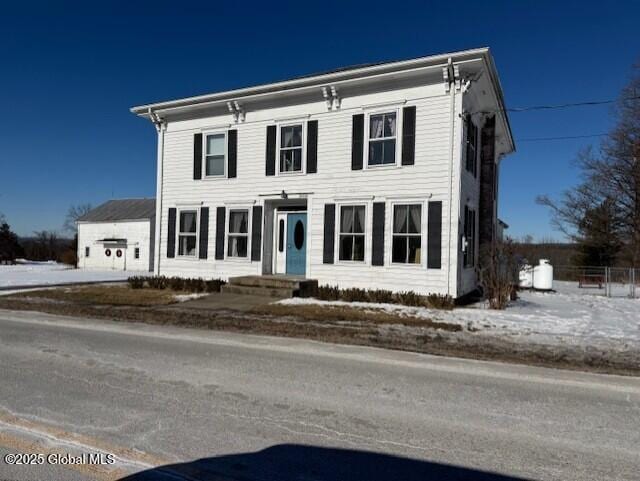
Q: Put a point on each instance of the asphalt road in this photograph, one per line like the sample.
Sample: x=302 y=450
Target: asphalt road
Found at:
x=258 y=408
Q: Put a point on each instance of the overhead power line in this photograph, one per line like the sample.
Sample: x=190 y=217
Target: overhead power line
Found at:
x=532 y=108
x=566 y=137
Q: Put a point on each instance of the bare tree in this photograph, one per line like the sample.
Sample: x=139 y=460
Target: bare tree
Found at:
x=610 y=181
x=73 y=214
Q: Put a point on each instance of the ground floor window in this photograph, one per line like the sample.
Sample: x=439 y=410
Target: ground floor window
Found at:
x=86 y=252
x=238 y=241
x=407 y=234
x=470 y=237
x=352 y=232
x=136 y=253
x=188 y=233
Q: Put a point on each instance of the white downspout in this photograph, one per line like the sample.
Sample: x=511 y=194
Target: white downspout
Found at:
x=452 y=94
x=161 y=127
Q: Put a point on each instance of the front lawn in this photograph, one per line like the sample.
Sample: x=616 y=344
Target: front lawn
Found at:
x=100 y=295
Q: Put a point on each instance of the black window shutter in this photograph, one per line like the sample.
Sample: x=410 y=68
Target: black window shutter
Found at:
x=271 y=150
x=171 y=233
x=204 y=233
x=357 y=142
x=408 y=135
x=232 y=153
x=220 y=232
x=434 y=235
x=312 y=147
x=377 y=241
x=256 y=232
x=197 y=156
x=329 y=233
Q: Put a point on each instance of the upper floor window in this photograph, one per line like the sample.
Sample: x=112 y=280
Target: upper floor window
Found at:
x=471 y=153
x=382 y=138
x=215 y=160
x=238 y=240
x=187 y=233
x=352 y=232
x=407 y=234
x=291 y=153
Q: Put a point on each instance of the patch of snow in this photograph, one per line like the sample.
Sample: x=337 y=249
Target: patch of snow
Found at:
x=566 y=316
x=189 y=297
x=28 y=273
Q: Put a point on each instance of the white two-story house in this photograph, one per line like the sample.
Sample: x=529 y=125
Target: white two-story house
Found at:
x=378 y=176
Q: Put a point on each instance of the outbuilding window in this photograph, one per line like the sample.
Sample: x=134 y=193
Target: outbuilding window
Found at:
x=291 y=152
x=382 y=138
x=188 y=233
x=407 y=234
x=238 y=240
x=215 y=157
x=352 y=232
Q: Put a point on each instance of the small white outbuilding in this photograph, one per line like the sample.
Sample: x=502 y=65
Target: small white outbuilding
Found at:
x=118 y=235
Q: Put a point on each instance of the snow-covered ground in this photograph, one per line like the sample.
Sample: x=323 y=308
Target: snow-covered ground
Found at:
x=565 y=316
x=27 y=273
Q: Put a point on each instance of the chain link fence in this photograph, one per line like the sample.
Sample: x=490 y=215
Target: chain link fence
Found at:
x=605 y=281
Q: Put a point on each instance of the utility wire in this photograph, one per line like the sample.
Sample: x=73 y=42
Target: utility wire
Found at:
x=589 y=103
x=566 y=137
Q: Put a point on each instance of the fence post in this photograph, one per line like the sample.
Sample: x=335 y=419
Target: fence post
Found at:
x=607 y=280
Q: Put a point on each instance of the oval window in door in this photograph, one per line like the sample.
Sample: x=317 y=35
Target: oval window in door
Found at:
x=298 y=235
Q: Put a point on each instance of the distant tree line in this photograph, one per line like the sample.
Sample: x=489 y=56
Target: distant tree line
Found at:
x=44 y=245
x=601 y=215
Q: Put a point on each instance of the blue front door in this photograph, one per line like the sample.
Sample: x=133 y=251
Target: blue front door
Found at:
x=296 y=244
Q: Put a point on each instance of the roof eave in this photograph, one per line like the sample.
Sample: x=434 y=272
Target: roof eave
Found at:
x=279 y=87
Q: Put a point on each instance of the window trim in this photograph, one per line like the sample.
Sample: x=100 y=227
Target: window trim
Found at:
x=423 y=234
x=206 y=134
x=303 y=160
x=338 y=233
x=249 y=234
x=179 y=212
x=398 y=137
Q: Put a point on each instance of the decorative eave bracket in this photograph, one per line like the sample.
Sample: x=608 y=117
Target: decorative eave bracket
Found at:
x=331 y=97
x=236 y=110
x=451 y=76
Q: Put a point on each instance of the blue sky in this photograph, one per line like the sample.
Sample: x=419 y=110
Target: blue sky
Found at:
x=69 y=72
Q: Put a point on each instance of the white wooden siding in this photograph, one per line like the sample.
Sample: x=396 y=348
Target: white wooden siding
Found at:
x=428 y=180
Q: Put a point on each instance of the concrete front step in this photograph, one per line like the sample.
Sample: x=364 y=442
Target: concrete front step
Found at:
x=299 y=286
x=276 y=292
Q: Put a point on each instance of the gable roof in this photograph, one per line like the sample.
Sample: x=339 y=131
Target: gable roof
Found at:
x=121 y=209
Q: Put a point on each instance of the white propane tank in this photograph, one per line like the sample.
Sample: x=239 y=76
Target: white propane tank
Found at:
x=543 y=276
x=526 y=277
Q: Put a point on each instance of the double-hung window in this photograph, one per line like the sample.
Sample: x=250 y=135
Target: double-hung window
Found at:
x=352 y=232
x=470 y=237
x=291 y=153
x=136 y=253
x=238 y=241
x=382 y=138
x=215 y=155
x=187 y=233
x=472 y=146
x=407 y=234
